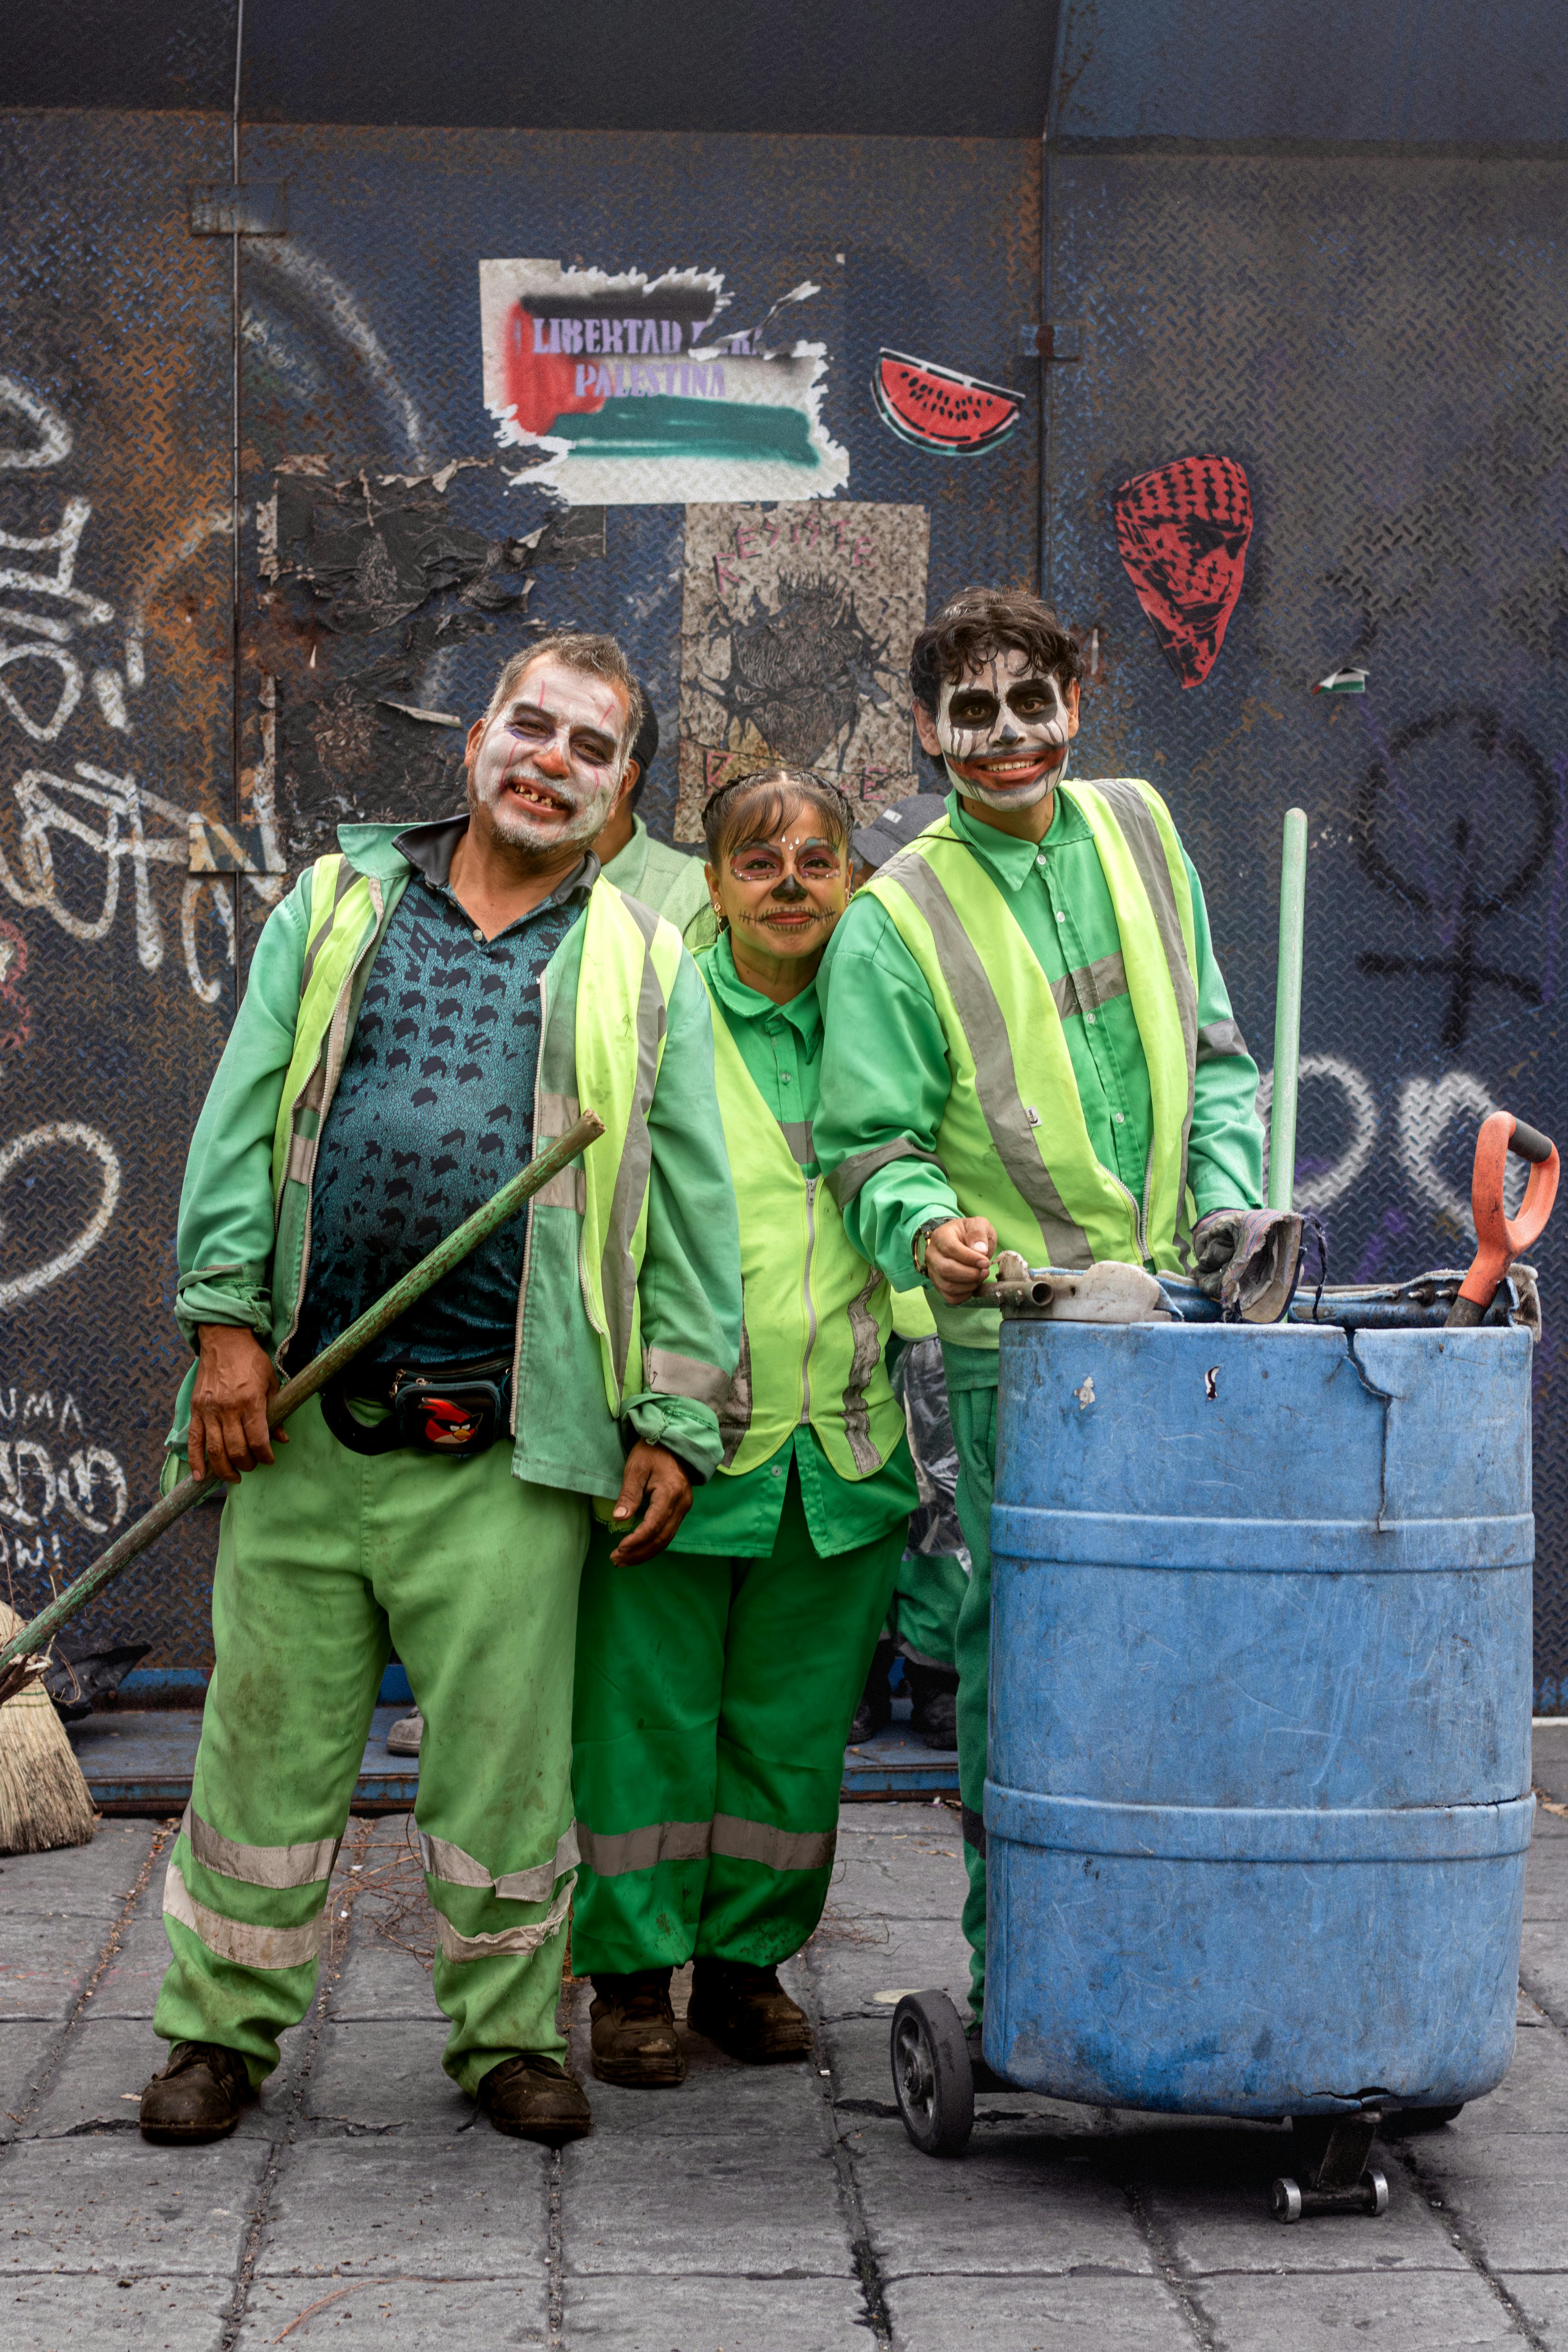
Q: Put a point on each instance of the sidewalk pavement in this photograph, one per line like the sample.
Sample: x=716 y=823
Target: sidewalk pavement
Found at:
x=754 y=2210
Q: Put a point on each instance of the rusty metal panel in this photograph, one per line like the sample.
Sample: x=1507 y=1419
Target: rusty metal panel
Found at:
x=1379 y=344
x=361 y=351
x=132 y=849
x=116 y=983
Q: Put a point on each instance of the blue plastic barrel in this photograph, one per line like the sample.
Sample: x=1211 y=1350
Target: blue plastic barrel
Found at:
x=1260 y=1691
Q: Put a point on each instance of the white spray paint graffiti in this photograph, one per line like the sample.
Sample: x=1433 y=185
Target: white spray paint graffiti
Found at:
x=71 y=1134
x=1423 y=1112
x=84 y=1488
x=109 y=814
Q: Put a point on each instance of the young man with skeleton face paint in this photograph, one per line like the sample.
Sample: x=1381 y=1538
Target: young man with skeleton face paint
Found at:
x=1028 y=1045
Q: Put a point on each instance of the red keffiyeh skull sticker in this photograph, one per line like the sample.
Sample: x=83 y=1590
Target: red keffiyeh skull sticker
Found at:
x=1183 y=531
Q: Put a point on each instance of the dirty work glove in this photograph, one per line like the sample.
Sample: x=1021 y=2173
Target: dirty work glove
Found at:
x=1248 y=1258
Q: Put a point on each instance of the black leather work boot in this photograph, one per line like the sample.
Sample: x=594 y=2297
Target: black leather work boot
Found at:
x=748 y=2013
x=634 y=2041
x=198 y=2096
x=875 y=1711
x=933 y=1713
x=533 y=2098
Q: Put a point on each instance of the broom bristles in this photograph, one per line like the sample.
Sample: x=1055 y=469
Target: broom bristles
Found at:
x=44 y=1801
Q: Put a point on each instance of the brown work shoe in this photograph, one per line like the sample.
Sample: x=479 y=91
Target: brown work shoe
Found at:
x=198 y=2096
x=533 y=2098
x=747 y=2013
x=634 y=2038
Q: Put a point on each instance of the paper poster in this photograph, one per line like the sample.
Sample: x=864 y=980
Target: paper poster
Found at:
x=635 y=390
x=796 y=623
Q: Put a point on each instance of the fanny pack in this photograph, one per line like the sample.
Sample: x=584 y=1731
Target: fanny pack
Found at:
x=457 y=1410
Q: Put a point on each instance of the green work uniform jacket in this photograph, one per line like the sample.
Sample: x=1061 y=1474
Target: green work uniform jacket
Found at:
x=885 y=1072
x=669 y=881
x=689 y=1286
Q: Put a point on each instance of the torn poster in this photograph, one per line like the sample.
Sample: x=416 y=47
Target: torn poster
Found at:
x=796 y=623
x=1183 y=531
x=634 y=393
x=1349 y=680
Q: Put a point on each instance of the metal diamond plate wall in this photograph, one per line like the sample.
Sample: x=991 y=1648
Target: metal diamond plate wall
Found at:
x=1380 y=346
x=360 y=347
x=116 y=973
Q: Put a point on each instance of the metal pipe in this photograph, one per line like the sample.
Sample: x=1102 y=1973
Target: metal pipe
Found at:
x=293 y=1393
x=1288 y=1011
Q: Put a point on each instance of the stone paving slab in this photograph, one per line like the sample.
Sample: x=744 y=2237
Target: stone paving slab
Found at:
x=1017 y=2201
x=1038 y=2314
x=24 y=2052
x=397 y=2315
x=1411 y=2313
x=100 y=1877
x=140 y=2314
x=473 y=2206
x=741 y=2202
x=114 y=2204
x=702 y=2314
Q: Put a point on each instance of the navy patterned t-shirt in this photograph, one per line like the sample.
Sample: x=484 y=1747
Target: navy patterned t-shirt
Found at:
x=434 y=1111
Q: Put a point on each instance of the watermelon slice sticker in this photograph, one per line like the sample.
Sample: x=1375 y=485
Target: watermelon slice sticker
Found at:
x=936 y=408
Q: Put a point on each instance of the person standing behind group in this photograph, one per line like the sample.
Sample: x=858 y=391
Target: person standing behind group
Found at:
x=714 y=1694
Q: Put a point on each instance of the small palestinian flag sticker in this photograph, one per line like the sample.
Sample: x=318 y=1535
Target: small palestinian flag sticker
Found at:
x=938 y=409
x=1342 y=681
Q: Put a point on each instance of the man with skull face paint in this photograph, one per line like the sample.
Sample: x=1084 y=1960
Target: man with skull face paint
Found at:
x=1028 y=1045
x=424 y=1014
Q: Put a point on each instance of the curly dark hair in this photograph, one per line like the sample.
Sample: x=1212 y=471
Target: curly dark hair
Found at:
x=978 y=623
x=753 y=806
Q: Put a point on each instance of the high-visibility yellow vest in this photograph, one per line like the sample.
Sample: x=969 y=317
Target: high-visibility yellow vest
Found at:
x=630 y=963
x=1013 y=1141
x=815 y=1315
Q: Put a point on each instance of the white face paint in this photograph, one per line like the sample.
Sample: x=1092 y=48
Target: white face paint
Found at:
x=1003 y=732
x=548 y=766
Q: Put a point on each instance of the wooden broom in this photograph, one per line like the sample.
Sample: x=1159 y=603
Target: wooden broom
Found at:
x=44 y=1801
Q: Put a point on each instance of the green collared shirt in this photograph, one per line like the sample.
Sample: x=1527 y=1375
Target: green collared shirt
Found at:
x=668 y=880
x=885 y=1073
x=781 y=1045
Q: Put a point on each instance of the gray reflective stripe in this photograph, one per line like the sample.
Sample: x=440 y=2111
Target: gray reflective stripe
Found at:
x=567 y=1190
x=616 y=1272
x=322 y=931
x=1134 y=815
x=235 y=1939
x=449 y=1864
x=734 y=1407
x=612 y=1855
x=260 y=1865
x=997 y=1081
x=554 y=1116
x=850 y=1174
x=301 y=1157
x=796 y=1133
x=1217 y=1039
x=867 y=1345
x=1090 y=985
x=743 y=1841
x=684 y=1376
x=518 y=1940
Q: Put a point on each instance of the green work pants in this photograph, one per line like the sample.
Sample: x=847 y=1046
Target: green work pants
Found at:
x=713 y=1701
x=324 y=1560
x=927 y=1597
x=974 y=1428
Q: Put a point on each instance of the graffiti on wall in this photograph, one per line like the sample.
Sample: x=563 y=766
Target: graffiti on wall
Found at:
x=634 y=392
x=797 y=625
x=54 y=1479
x=77 y=825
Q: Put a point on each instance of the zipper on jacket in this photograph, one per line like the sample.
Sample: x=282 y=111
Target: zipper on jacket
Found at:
x=811 y=1184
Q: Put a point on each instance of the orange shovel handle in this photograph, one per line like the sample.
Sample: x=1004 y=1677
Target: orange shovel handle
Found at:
x=1501 y=1238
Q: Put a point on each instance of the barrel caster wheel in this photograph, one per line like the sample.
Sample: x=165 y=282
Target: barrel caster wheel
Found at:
x=1289 y=2201
x=933 y=2080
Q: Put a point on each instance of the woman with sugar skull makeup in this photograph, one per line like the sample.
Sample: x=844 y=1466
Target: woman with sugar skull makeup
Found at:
x=1028 y=1045
x=714 y=1700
